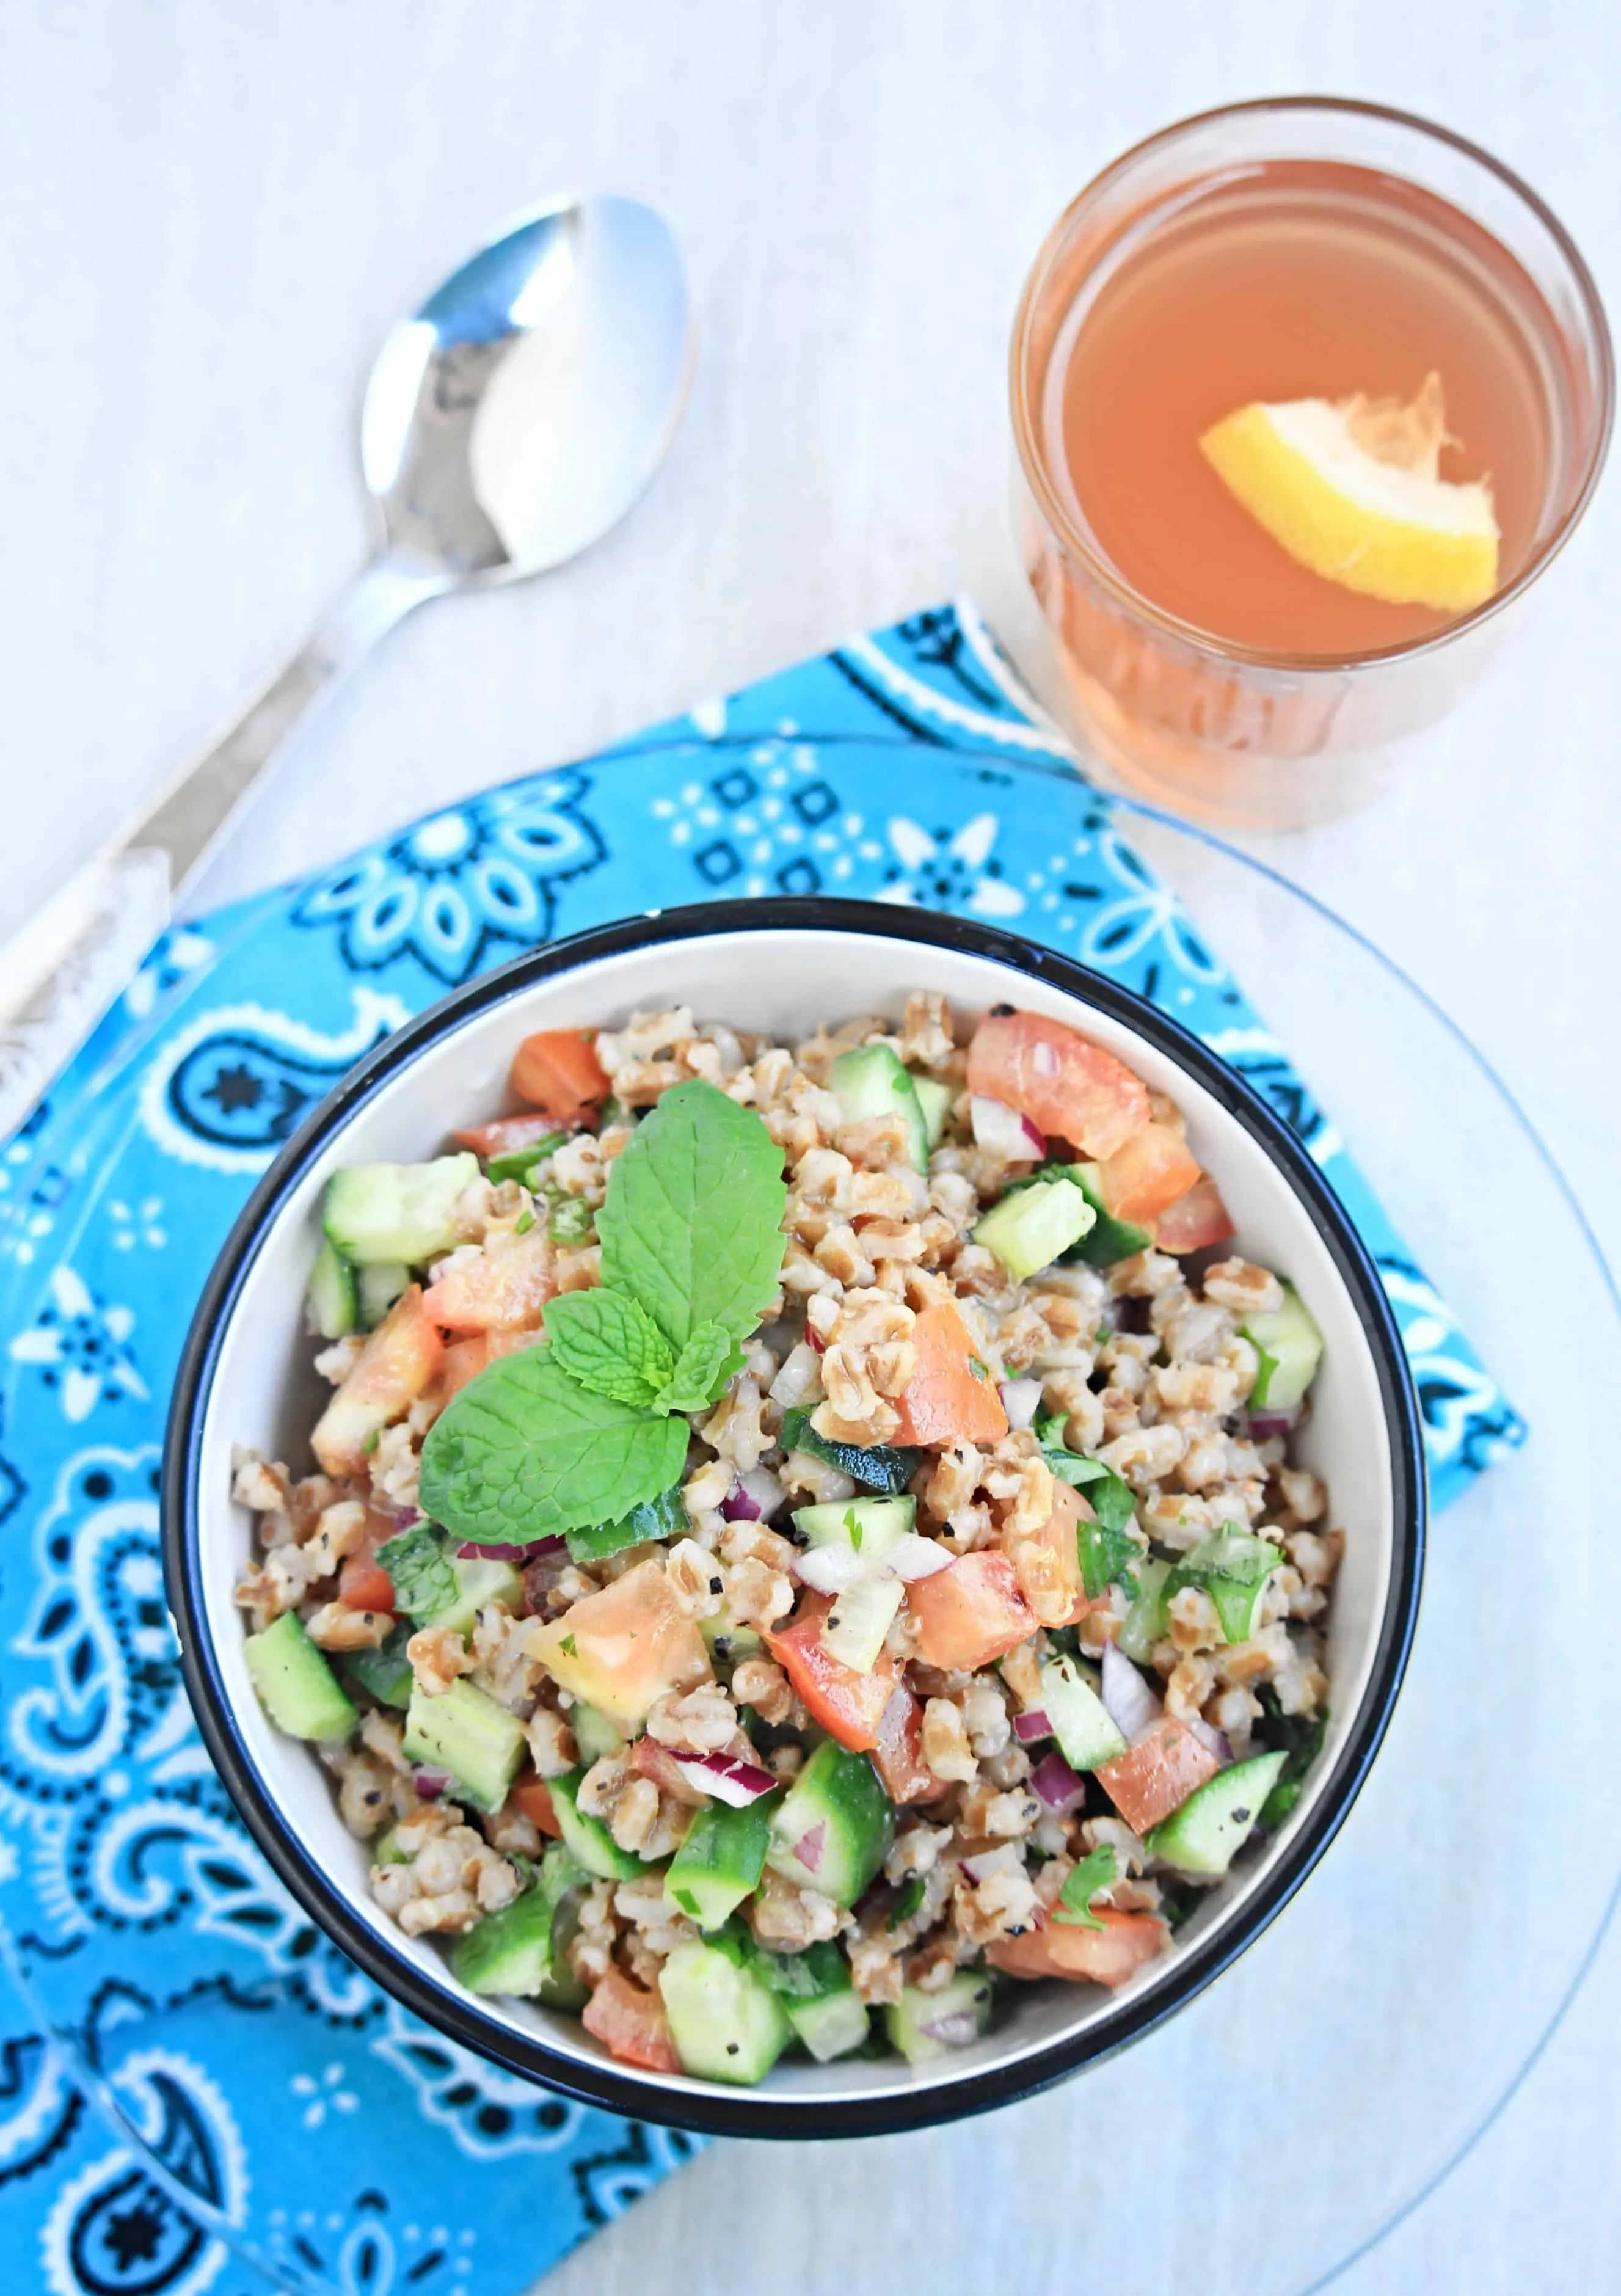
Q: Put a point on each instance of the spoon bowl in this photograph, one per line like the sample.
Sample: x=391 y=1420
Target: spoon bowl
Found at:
x=518 y=414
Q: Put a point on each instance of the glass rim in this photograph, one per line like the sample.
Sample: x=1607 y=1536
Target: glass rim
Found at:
x=1191 y=634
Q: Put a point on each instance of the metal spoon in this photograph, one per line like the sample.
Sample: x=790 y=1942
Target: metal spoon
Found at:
x=507 y=425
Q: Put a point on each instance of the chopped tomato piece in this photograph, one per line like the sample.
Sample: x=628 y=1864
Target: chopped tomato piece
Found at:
x=558 y=1070
x=1145 y=1177
x=397 y=1363
x=1048 y=1563
x=1105 y=1956
x=951 y=1397
x=532 y=1797
x=624 y=1648
x=971 y=1612
x=629 y=2022
x=1194 y=1220
x=502 y=1288
x=1156 y=1774
x=1059 y=1079
x=464 y=1359
x=898 y=1755
x=505 y=1135
x=362 y=1583
x=849 y=1706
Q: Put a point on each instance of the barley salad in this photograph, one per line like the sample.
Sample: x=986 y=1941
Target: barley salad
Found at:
x=803 y=1537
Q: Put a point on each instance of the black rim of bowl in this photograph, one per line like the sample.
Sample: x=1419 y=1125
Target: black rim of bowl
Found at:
x=741 y=2113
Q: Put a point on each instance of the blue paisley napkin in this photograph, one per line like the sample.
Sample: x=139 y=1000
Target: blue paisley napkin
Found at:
x=227 y=2097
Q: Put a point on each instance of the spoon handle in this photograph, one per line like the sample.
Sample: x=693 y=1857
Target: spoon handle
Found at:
x=62 y=970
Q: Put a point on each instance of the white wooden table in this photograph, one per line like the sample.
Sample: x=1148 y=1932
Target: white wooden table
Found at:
x=211 y=209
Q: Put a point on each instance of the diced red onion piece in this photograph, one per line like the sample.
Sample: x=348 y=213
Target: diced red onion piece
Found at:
x=1133 y=1707
x=740 y=1506
x=1001 y=1131
x=430 y=1784
x=830 y=1569
x=954 y=2031
x=815 y=1339
x=1021 y=1400
x=1215 y=1742
x=407 y=1518
x=916 y=1557
x=766 y=1492
x=1029 y=1727
x=1060 y=1787
x=809 y=1847
x=797 y=1378
x=724 y=1778
x=1265 y=1424
x=496 y=1551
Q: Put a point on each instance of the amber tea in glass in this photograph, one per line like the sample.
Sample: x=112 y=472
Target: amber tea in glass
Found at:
x=1270 y=253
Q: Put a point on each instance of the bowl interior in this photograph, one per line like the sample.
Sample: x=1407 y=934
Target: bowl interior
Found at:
x=783 y=981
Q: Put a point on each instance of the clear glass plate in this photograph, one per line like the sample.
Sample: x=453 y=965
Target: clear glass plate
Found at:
x=1313 y=2097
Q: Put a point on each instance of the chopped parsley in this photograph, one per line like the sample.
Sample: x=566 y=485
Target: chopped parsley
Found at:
x=1095 y=1872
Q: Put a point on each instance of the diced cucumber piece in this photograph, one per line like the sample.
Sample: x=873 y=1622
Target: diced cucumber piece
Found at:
x=1290 y=1348
x=508 y=1952
x=872 y=1527
x=334 y=1308
x=1213 y=1825
x=833 y=1829
x=853 y=1631
x=386 y=1849
x=880 y=1467
x=935 y=1100
x=832 y=2026
x=664 y=1517
x=378 y=1288
x=518 y=1163
x=870 y=1081
x=726 y=1642
x=378 y=1212
x=296 y=1687
x=725 y=2021
x=1108 y=1239
x=518 y=1950
x=1030 y=1227
x=594 y=1734
x=465 y=1732
x=384 y=1673
x=1233 y=1566
x=1086 y=1735
x=587 y=1838
x=720 y=1862
x=481 y=1580
x=1148 y=1622
x=924 y=2026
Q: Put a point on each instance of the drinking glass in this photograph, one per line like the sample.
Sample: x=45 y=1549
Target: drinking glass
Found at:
x=1231 y=733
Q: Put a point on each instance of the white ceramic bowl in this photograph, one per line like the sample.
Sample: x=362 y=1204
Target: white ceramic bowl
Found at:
x=781 y=966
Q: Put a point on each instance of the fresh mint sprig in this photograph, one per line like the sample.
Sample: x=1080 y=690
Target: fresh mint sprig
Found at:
x=1095 y=1872
x=584 y=1431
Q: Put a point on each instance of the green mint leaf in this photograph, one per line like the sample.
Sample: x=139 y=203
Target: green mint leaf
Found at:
x=665 y=1517
x=567 y=1648
x=910 y=1899
x=693 y=1226
x=523 y=1452
x=421 y=1572
x=980 y=1371
x=1106 y=1556
x=705 y=1363
x=1095 y=1872
x=1305 y=1743
x=880 y=1468
x=1109 y=1496
x=609 y=1346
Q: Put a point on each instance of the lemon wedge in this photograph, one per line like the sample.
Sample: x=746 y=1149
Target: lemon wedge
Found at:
x=1351 y=488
